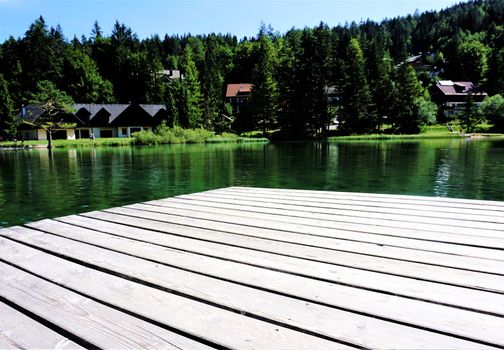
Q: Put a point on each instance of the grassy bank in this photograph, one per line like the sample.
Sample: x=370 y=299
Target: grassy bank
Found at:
x=69 y=143
x=430 y=132
x=167 y=136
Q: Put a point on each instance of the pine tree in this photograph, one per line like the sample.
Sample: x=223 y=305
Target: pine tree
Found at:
x=408 y=96
x=212 y=81
x=356 y=117
x=83 y=81
x=264 y=101
x=379 y=71
x=190 y=108
x=6 y=109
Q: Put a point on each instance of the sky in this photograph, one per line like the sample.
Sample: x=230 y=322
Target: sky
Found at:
x=238 y=17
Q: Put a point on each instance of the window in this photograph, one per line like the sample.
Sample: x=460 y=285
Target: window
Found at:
x=125 y=131
x=59 y=135
x=106 y=133
x=84 y=134
x=132 y=130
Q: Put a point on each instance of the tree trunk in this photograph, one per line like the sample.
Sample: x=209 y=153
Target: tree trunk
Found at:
x=49 y=139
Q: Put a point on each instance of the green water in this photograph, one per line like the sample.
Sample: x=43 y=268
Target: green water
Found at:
x=36 y=184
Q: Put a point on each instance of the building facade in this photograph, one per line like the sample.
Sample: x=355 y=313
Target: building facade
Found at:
x=95 y=120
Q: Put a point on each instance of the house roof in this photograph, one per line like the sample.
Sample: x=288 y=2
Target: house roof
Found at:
x=93 y=114
x=153 y=109
x=30 y=113
x=234 y=90
x=455 y=88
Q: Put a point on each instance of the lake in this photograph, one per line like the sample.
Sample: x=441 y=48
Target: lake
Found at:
x=36 y=184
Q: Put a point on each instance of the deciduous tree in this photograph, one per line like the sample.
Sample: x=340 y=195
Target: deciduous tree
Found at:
x=55 y=104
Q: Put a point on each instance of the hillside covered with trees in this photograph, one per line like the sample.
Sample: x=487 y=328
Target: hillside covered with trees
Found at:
x=292 y=73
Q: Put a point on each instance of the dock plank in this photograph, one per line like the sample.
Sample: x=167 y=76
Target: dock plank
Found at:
x=441 y=274
x=18 y=331
x=259 y=268
x=359 y=203
x=325 y=220
x=213 y=324
x=452 y=202
x=197 y=255
x=313 y=317
x=491 y=239
x=300 y=208
x=101 y=326
x=380 y=250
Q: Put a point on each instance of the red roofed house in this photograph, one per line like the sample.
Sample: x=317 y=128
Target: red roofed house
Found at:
x=451 y=96
x=238 y=95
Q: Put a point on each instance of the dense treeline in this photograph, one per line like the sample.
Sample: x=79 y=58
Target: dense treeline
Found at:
x=303 y=79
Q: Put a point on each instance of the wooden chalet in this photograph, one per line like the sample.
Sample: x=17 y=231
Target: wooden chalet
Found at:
x=99 y=120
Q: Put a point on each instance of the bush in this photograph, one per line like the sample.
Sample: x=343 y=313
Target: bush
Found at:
x=492 y=109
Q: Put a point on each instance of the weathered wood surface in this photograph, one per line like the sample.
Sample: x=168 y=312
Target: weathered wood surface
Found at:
x=253 y=268
x=18 y=331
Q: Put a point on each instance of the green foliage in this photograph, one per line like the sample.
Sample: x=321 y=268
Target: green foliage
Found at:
x=409 y=97
x=55 y=103
x=427 y=111
x=83 y=81
x=492 y=109
x=264 y=102
x=471 y=116
x=356 y=112
x=6 y=109
x=190 y=108
x=163 y=134
x=291 y=73
x=472 y=62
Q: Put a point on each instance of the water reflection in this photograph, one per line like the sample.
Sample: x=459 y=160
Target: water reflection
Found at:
x=37 y=184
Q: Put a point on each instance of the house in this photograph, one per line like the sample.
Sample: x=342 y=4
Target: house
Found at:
x=100 y=120
x=170 y=74
x=238 y=95
x=451 y=96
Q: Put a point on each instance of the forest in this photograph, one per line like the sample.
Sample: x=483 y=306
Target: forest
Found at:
x=363 y=64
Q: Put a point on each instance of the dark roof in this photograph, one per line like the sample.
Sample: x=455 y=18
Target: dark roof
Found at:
x=30 y=113
x=234 y=90
x=455 y=88
x=92 y=114
x=153 y=109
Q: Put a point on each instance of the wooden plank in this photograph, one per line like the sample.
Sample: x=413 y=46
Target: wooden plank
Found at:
x=325 y=220
x=354 y=261
x=412 y=198
x=18 y=331
x=293 y=245
x=350 y=202
x=219 y=326
x=194 y=255
x=303 y=206
x=447 y=243
x=99 y=325
x=329 y=245
x=298 y=226
x=313 y=317
x=422 y=251
x=336 y=235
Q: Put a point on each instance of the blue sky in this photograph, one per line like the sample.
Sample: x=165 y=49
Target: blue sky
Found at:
x=238 y=17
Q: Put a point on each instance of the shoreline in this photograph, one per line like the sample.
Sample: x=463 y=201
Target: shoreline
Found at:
x=120 y=142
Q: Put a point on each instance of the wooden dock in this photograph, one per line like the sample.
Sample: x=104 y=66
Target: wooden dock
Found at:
x=256 y=268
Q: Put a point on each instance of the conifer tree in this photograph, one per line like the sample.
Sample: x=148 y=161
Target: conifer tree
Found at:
x=408 y=96
x=264 y=101
x=356 y=117
x=6 y=109
x=190 y=108
x=212 y=81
